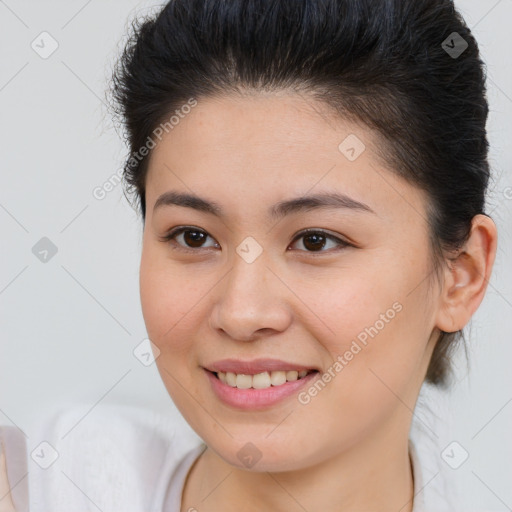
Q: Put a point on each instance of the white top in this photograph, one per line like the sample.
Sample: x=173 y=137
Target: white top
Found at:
x=118 y=458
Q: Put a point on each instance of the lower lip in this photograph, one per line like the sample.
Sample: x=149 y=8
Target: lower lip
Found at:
x=256 y=398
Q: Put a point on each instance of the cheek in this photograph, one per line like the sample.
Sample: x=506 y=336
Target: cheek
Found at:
x=164 y=298
x=170 y=316
x=349 y=305
x=173 y=301
x=378 y=330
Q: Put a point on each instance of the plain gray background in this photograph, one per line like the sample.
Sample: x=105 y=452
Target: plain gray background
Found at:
x=69 y=326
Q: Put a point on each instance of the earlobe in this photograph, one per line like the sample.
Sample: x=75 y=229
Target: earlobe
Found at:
x=467 y=276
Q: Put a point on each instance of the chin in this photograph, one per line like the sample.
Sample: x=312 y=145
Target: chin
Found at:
x=262 y=455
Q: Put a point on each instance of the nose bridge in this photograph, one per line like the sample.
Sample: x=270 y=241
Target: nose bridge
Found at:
x=247 y=286
x=249 y=299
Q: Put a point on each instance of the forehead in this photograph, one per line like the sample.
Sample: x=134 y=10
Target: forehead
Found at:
x=266 y=147
x=263 y=121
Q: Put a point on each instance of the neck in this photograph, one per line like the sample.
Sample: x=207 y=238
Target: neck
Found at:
x=374 y=474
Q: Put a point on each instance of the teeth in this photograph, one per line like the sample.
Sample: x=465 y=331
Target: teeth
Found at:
x=277 y=378
x=230 y=379
x=243 y=381
x=260 y=380
x=293 y=375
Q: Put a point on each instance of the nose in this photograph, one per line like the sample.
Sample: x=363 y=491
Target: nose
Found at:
x=251 y=302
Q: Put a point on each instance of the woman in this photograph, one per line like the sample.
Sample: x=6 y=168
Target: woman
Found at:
x=311 y=178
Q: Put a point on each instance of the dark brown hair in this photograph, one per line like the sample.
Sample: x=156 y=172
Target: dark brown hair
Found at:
x=410 y=70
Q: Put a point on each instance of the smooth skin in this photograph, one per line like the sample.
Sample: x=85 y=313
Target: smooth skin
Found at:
x=347 y=449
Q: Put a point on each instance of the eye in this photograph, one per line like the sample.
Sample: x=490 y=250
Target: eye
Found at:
x=192 y=237
x=315 y=240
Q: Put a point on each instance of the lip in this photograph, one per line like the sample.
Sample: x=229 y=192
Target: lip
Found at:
x=255 y=366
x=256 y=399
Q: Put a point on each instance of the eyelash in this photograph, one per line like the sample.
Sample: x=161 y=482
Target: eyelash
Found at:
x=173 y=233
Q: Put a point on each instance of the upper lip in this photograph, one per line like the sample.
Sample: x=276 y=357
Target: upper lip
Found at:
x=254 y=366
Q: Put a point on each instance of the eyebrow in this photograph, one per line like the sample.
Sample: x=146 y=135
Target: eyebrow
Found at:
x=328 y=200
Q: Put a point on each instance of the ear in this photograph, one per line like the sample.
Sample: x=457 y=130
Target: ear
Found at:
x=467 y=276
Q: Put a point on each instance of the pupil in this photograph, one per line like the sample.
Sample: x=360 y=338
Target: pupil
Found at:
x=318 y=241
x=196 y=238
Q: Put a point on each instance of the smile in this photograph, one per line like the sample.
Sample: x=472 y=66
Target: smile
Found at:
x=262 y=380
x=257 y=383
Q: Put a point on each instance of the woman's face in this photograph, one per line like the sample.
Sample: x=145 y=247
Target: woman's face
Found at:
x=350 y=300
